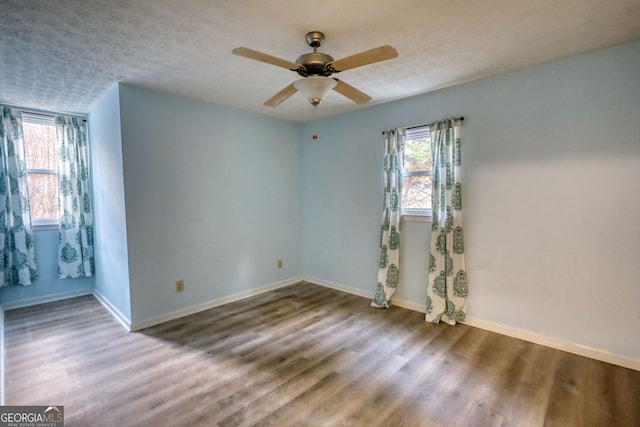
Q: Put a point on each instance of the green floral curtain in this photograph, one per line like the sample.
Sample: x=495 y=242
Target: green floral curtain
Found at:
x=447 y=290
x=75 y=253
x=389 y=261
x=18 y=257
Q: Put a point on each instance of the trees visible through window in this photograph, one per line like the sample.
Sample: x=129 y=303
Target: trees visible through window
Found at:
x=41 y=156
x=416 y=184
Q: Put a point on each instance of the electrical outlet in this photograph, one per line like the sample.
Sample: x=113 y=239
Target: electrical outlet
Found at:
x=180 y=286
x=279 y=263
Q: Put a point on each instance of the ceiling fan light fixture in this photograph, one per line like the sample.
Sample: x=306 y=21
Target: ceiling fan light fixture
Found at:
x=315 y=88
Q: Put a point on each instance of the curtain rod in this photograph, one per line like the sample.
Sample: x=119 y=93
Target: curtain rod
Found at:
x=429 y=124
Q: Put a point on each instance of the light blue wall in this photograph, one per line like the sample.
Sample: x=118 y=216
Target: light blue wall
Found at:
x=341 y=201
x=212 y=197
x=110 y=228
x=48 y=286
x=551 y=159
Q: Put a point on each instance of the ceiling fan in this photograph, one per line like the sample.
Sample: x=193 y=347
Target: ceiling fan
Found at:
x=316 y=68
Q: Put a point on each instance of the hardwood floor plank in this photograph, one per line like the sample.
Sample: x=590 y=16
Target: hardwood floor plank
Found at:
x=302 y=355
x=530 y=395
x=567 y=392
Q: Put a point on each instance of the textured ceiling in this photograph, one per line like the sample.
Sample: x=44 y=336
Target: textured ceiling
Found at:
x=63 y=55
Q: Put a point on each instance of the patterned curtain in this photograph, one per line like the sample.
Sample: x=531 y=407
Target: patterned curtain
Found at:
x=447 y=290
x=388 y=266
x=18 y=256
x=75 y=252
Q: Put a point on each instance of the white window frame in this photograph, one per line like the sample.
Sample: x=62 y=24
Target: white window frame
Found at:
x=43 y=119
x=416 y=214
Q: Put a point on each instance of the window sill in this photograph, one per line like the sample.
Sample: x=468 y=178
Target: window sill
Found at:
x=39 y=225
x=416 y=218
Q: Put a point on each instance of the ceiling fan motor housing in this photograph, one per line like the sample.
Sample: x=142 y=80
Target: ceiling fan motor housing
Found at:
x=314 y=64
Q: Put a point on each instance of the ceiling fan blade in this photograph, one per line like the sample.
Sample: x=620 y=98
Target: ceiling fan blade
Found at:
x=281 y=96
x=263 y=57
x=377 y=54
x=351 y=92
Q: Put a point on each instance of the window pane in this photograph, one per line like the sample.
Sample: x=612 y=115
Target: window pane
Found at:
x=40 y=146
x=417 y=155
x=416 y=192
x=43 y=195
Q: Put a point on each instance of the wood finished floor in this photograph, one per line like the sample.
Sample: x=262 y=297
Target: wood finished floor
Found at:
x=302 y=355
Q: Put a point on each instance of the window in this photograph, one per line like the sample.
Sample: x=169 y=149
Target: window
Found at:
x=41 y=155
x=416 y=181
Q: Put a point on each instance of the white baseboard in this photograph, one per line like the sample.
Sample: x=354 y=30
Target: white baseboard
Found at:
x=581 y=350
x=591 y=352
x=117 y=314
x=338 y=287
x=45 y=299
x=156 y=320
x=421 y=308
